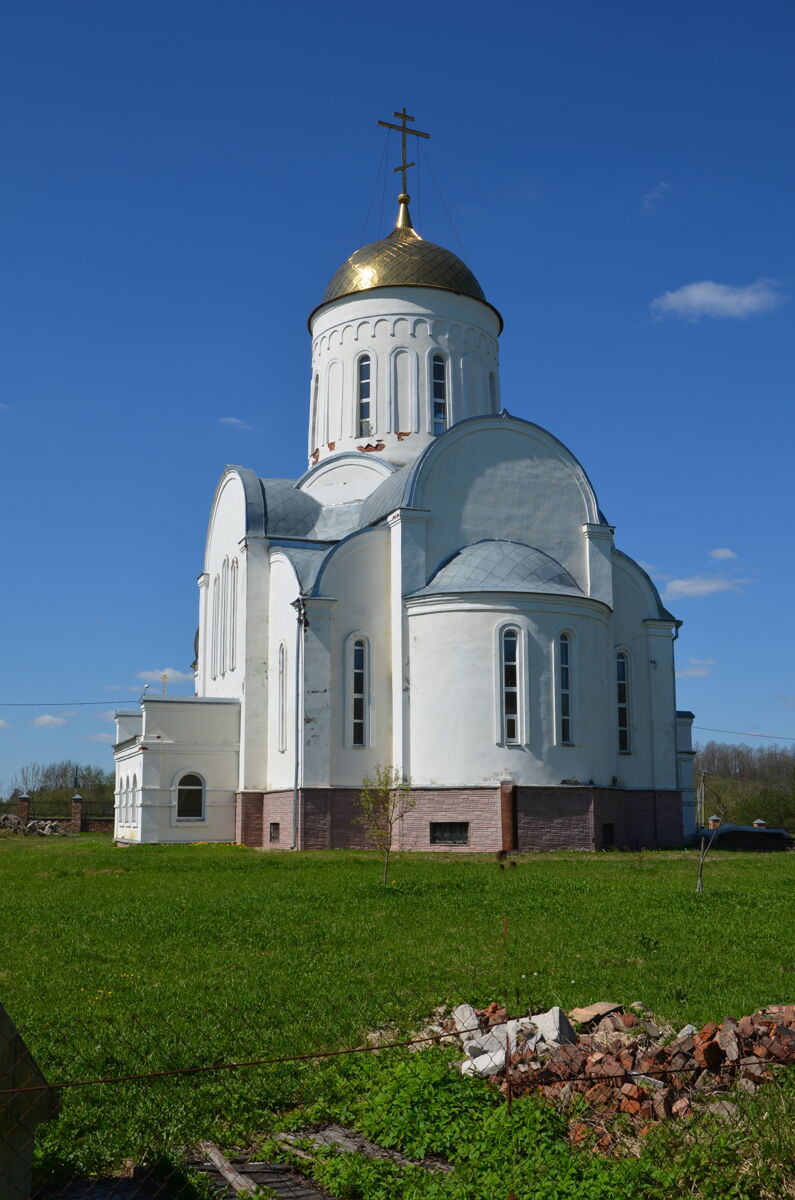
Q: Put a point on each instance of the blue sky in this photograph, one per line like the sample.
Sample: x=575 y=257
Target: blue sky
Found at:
x=180 y=180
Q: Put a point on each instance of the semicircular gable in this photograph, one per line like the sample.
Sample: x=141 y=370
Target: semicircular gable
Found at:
x=500 y=477
x=630 y=578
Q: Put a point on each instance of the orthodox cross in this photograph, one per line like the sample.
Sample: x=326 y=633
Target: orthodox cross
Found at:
x=403 y=129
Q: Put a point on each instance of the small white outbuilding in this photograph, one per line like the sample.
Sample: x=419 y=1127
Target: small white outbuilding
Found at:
x=439 y=591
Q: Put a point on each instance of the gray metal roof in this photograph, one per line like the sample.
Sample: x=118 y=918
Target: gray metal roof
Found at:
x=389 y=496
x=307 y=562
x=292 y=513
x=501 y=566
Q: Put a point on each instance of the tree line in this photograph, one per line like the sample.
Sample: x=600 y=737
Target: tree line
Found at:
x=749 y=782
x=49 y=782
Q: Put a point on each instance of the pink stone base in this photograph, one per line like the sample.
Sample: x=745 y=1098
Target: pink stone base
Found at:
x=554 y=818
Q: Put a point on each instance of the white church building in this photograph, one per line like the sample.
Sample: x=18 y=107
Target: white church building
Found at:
x=438 y=591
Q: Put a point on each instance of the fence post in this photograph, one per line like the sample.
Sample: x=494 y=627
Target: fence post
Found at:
x=23 y=807
x=77 y=813
x=20 y=1112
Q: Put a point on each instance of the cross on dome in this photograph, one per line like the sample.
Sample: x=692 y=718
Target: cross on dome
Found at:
x=403 y=129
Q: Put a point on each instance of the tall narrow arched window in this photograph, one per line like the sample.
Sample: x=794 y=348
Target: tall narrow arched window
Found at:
x=438 y=394
x=233 y=615
x=190 y=798
x=365 y=425
x=224 y=624
x=315 y=414
x=214 y=639
x=126 y=809
x=564 y=689
x=509 y=670
x=359 y=667
x=134 y=801
x=493 y=391
x=281 y=701
x=622 y=696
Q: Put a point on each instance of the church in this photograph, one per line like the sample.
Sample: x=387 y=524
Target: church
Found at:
x=438 y=591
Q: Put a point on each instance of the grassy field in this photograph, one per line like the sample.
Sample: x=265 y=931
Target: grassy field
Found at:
x=116 y=961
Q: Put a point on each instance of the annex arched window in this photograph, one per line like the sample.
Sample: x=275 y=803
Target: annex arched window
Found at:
x=190 y=797
x=233 y=615
x=564 y=674
x=282 y=699
x=622 y=698
x=358 y=690
x=132 y=816
x=509 y=686
x=215 y=631
x=364 y=425
x=439 y=420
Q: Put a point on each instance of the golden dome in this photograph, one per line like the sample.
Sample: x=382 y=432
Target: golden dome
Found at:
x=403 y=259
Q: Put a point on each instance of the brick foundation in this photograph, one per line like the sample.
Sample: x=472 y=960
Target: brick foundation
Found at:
x=501 y=818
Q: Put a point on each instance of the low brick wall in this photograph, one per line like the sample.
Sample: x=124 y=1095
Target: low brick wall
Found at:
x=543 y=818
x=478 y=807
x=277 y=810
x=554 y=818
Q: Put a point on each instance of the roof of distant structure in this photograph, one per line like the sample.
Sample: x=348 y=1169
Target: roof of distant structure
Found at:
x=501 y=566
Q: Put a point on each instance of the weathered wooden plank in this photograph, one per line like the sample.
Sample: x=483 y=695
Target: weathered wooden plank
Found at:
x=241 y=1185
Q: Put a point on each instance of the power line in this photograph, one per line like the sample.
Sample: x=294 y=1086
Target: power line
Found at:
x=61 y=703
x=774 y=737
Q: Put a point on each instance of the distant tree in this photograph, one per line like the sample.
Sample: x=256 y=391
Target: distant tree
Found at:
x=753 y=782
x=51 y=782
x=382 y=803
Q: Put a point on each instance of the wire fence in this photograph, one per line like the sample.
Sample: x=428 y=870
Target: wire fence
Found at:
x=257 y=1102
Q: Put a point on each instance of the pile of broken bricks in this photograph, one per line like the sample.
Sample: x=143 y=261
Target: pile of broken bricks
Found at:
x=620 y=1062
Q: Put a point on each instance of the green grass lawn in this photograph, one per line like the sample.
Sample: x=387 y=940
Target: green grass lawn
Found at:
x=116 y=961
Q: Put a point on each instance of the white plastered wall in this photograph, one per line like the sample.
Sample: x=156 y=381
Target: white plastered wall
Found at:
x=638 y=629
x=455 y=703
x=236 y=568
x=400 y=329
x=278 y=723
x=357 y=580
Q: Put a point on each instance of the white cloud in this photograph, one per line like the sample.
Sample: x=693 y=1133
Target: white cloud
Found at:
x=106 y=738
x=234 y=422
x=47 y=721
x=5 y=407
x=652 y=198
x=108 y=715
x=722 y=552
x=709 y=299
x=4 y=724
x=699 y=667
x=703 y=585
x=174 y=676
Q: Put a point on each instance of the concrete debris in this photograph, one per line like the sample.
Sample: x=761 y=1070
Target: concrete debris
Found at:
x=42 y=828
x=554 y=1027
x=594 y=1012
x=622 y=1062
x=466 y=1022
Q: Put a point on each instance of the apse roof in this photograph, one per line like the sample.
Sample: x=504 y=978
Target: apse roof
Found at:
x=501 y=566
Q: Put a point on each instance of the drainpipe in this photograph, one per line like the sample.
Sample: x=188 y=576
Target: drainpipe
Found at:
x=301 y=624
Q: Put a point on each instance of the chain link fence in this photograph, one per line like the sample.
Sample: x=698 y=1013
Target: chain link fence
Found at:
x=472 y=1103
